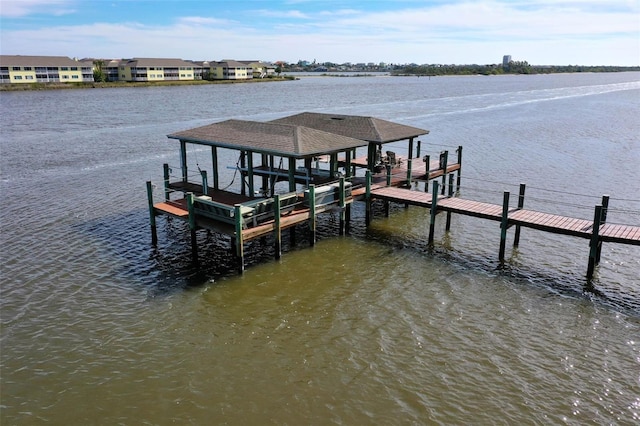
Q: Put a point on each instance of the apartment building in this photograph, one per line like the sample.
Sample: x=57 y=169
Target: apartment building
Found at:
x=43 y=69
x=153 y=69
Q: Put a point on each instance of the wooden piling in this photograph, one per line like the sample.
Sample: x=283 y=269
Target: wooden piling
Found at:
x=434 y=210
x=342 y=204
x=603 y=220
x=427 y=162
x=152 y=214
x=239 y=240
x=166 y=181
x=312 y=214
x=504 y=224
x=277 y=229
x=192 y=227
x=444 y=160
x=459 y=151
x=594 y=242
x=516 y=238
x=367 y=197
x=448 y=224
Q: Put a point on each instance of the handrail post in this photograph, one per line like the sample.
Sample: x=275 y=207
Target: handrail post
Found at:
x=388 y=167
x=459 y=151
x=504 y=224
x=409 y=171
x=152 y=214
x=418 y=146
x=166 y=181
x=516 y=238
x=312 y=213
x=277 y=226
x=433 y=212
x=594 y=242
x=367 y=198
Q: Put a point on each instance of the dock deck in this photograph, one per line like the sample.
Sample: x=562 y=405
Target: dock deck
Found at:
x=557 y=224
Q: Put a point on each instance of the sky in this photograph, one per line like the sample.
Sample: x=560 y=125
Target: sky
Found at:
x=541 y=32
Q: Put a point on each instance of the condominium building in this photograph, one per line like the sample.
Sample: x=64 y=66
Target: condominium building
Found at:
x=43 y=69
x=153 y=69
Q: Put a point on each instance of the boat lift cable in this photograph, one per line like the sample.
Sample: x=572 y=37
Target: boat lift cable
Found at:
x=235 y=173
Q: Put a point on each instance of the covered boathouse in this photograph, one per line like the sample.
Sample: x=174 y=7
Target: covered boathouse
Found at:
x=291 y=170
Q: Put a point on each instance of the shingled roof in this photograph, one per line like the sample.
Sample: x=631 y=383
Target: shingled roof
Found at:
x=369 y=129
x=269 y=138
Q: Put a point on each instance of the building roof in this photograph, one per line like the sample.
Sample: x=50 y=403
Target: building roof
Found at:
x=369 y=129
x=228 y=64
x=156 y=62
x=40 y=61
x=269 y=138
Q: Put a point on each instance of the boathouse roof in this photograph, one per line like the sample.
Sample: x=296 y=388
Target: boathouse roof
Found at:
x=269 y=138
x=369 y=129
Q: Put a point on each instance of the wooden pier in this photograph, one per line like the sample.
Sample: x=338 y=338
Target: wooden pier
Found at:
x=302 y=142
x=596 y=231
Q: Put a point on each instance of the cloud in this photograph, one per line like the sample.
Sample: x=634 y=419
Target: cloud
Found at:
x=20 y=8
x=538 y=31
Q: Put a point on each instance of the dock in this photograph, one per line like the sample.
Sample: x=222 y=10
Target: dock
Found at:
x=293 y=169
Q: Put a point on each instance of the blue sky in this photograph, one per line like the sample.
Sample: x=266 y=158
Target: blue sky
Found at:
x=557 y=32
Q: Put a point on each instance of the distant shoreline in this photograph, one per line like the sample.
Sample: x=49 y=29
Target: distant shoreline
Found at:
x=21 y=87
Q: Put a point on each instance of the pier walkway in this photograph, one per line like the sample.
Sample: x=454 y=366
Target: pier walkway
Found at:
x=596 y=230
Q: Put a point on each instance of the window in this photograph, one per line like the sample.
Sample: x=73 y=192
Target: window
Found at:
x=64 y=68
x=74 y=68
x=16 y=68
x=28 y=77
x=27 y=68
x=18 y=77
x=75 y=77
x=65 y=77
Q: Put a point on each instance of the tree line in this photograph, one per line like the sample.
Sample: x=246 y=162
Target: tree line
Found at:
x=513 y=67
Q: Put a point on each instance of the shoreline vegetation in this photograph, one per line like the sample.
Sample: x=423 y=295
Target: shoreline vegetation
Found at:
x=16 y=87
x=514 y=68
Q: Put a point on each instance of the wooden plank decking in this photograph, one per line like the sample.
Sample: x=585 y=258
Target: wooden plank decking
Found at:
x=624 y=234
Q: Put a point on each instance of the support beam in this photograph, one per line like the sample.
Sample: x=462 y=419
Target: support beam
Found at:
x=183 y=160
x=433 y=212
x=516 y=238
x=504 y=224
x=152 y=214
x=252 y=192
x=367 y=197
x=312 y=214
x=342 y=205
x=292 y=173
x=238 y=237
x=603 y=220
x=277 y=229
x=448 y=224
x=459 y=151
x=594 y=242
x=214 y=163
x=166 y=182
x=192 y=228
